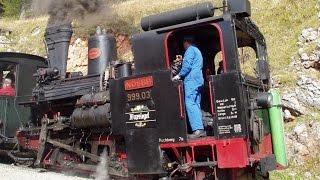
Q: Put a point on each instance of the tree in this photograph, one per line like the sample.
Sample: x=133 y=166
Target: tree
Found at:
x=11 y=8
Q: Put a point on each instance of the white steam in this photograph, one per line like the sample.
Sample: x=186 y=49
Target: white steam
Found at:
x=102 y=172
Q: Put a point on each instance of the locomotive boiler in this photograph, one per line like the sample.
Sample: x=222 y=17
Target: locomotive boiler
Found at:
x=137 y=115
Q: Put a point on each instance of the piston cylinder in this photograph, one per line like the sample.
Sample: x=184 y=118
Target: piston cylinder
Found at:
x=102 y=51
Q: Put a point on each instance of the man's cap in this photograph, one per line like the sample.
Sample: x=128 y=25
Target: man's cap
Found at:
x=188 y=38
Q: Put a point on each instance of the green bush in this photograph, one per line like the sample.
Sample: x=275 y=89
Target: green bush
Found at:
x=11 y=8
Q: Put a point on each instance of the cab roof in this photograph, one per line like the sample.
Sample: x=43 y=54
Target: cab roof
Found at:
x=19 y=57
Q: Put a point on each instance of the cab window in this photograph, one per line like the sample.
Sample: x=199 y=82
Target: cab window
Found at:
x=8 y=79
x=248 y=59
x=247 y=53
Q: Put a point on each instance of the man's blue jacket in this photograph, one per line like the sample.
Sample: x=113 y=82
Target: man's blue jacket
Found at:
x=192 y=69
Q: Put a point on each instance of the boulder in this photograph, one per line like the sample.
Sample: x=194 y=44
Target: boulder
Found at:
x=309 y=35
x=288 y=116
x=305 y=57
x=303 y=142
x=291 y=103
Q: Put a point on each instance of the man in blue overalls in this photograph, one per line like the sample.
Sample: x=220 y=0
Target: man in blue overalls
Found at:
x=191 y=72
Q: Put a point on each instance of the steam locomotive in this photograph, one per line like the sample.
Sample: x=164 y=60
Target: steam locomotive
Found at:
x=136 y=113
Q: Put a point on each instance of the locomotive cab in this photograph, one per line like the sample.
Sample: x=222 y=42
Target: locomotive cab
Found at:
x=207 y=39
x=18 y=68
x=237 y=125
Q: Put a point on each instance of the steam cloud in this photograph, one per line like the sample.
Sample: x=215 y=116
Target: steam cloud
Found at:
x=102 y=172
x=65 y=11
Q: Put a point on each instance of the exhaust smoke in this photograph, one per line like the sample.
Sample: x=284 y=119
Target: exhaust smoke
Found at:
x=87 y=13
x=65 y=11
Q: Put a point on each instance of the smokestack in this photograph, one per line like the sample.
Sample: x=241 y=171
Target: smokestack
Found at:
x=58 y=40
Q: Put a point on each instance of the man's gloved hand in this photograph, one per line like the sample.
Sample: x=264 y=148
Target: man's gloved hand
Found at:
x=176 y=78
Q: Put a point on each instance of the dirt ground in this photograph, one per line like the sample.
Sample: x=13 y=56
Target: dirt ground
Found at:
x=10 y=172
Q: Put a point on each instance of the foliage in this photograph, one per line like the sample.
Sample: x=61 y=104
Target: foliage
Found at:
x=11 y=8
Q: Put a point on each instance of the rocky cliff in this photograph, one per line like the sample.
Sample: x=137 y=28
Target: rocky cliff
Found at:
x=302 y=105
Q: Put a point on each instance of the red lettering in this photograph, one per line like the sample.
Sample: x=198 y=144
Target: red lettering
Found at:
x=138 y=83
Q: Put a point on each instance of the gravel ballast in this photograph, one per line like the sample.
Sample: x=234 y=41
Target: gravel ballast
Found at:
x=10 y=172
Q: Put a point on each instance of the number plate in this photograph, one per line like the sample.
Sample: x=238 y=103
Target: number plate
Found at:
x=139 y=96
x=138 y=83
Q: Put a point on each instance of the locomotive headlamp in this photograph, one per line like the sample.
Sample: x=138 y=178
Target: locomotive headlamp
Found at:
x=264 y=100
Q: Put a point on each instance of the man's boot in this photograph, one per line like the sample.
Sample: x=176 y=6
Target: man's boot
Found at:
x=197 y=134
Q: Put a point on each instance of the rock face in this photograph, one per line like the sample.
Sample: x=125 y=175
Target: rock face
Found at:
x=291 y=103
x=306 y=65
x=309 y=48
x=303 y=142
x=306 y=94
x=78 y=53
x=309 y=91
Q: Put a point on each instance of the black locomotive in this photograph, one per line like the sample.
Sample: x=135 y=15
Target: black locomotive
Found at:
x=136 y=113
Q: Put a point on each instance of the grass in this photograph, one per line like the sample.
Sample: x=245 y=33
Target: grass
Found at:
x=282 y=22
x=298 y=172
x=131 y=11
x=310 y=47
x=23 y=38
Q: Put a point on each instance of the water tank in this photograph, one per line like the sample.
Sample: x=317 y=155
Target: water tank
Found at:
x=187 y=14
